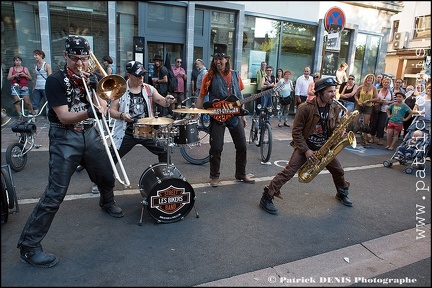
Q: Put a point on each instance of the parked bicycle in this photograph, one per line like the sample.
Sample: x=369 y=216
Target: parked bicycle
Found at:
x=197 y=153
x=16 y=153
x=261 y=132
x=8 y=196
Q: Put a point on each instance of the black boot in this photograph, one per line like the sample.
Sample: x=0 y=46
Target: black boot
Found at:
x=266 y=202
x=38 y=258
x=342 y=196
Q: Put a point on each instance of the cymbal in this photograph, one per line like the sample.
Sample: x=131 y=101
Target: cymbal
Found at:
x=192 y=110
x=156 y=121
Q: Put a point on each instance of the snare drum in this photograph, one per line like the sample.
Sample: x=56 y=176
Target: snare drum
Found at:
x=187 y=134
x=143 y=131
x=169 y=197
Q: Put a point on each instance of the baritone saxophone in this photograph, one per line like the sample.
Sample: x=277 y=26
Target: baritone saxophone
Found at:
x=331 y=148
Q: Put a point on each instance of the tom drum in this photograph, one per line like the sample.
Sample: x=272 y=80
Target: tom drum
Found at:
x=187 y=133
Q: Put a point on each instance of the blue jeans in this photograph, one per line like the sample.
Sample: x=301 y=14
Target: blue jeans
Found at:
x=38 y=95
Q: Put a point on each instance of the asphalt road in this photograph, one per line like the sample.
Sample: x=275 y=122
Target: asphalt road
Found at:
x=313 y=241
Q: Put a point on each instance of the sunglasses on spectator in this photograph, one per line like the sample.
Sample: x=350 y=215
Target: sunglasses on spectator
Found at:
x=268 y=70
x=350 y=78
x=316 y=77
x=179 y=61
x=76 y=58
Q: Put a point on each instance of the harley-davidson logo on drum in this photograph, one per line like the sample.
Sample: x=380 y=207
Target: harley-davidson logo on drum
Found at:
x=170 y=200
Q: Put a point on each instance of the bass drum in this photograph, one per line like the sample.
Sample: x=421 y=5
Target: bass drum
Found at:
x=168 y=195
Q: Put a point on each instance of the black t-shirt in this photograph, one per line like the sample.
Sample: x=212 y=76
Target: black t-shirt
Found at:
x=60 y=90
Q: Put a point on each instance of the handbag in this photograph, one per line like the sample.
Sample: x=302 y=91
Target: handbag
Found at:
x=285 y=100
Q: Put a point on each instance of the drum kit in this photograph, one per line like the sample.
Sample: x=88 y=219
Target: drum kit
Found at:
x=167 y=194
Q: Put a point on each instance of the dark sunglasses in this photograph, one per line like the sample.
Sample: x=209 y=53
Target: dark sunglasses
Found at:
x=316 y=77
x=76 y=58
x=350 y=78
x=268 y=70
x=179 y=61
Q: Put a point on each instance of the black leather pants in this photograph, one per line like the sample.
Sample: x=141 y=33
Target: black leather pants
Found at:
x=217 y=132
x=68 y=148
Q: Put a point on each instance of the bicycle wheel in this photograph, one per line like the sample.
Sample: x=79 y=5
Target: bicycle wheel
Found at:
x=253 y=132
x=4 y=211
x=266 y=143
x=15 y=158
x=197 y=153
x=9 y=188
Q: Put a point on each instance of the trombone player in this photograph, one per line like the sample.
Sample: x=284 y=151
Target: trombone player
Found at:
x=73 y=140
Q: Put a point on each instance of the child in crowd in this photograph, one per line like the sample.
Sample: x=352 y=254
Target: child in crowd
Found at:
x=409 y=149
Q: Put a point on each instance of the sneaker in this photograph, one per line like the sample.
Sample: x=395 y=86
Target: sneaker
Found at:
x=5 y=120
x=95 y=189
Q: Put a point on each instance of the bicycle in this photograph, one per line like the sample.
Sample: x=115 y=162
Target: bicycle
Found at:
x=261 y=124
x=197 y=153
x=16 y=153
x=8 y=194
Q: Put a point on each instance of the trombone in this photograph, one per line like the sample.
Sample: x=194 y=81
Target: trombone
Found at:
x=110 y=87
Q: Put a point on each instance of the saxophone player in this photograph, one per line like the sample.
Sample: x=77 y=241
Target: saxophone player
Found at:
x=314 y=123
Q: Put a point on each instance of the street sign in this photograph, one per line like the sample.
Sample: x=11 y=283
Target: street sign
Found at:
x=334 y=20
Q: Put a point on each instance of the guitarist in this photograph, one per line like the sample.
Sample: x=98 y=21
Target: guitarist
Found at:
x=221 y=83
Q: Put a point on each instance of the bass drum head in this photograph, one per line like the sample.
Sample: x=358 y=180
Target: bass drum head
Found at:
x=169 y=197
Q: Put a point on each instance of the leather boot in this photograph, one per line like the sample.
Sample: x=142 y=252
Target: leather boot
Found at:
x=342 y=196
x=38 y=258
x=266 y=202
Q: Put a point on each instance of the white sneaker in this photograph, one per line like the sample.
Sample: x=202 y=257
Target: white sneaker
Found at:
x=95 y=189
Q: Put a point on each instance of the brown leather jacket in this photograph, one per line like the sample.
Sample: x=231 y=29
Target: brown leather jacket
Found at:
x=306 y=119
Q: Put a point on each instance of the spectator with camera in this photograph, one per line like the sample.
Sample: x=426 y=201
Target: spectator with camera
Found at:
x=19 y=77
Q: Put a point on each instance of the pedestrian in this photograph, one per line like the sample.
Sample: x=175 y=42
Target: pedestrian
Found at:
x=221 y=82
x=108 y=65
x=396 y=116
x=341 y=78
x=74 y=140
x=160 y=82
x=302 y=86
x=267 y=82
x=19 y=77
x=136 y=104
x=314 y=123
x=311 y=87
x=259 y=75
x=180 y=74
x=285 y=98
x=42 y=71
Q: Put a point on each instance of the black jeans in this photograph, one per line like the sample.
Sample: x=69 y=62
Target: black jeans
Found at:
x=217 y=132
x=129 y=141
x=67 y=149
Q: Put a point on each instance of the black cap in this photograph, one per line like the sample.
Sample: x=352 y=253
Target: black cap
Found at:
x=324 y=83
x=157 y=57
x=77 y=45
x=220 y=50
x=135 y=68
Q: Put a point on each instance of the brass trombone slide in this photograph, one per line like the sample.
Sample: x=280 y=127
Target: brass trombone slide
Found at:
x=118 y=85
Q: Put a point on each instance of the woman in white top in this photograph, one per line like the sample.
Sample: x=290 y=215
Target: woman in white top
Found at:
x=42 y=71
x=285 y=98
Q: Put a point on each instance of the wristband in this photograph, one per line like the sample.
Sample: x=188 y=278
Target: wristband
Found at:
x=121 y=116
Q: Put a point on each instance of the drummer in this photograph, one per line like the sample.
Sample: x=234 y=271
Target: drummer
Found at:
x=136 y=104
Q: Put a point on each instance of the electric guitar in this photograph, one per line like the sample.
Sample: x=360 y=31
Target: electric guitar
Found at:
x=225 y=109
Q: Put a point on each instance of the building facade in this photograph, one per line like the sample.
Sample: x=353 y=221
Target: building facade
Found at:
x=288 y=34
